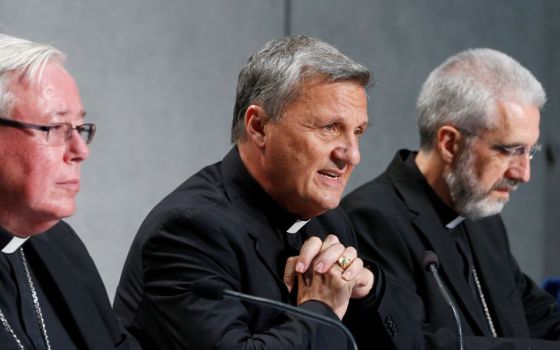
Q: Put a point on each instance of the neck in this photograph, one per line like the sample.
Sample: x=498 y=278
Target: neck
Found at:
x=252 y=159
x=18 y=226
x=433 y=168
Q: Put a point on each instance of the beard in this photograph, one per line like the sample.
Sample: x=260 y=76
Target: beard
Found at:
x=469 y=198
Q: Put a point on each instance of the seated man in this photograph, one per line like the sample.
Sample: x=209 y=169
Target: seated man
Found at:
x=479 y=128
x=264 y=216
x=51 y=295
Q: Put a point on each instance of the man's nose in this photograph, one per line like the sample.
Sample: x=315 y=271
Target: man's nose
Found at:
x=348 y=151
x=520 y=168
x=77 y=149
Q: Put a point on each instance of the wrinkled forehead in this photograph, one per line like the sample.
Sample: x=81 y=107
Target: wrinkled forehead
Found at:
x=53 y=92
x=515 y=123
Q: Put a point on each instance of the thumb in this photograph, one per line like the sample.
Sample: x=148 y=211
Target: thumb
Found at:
x=290 y=272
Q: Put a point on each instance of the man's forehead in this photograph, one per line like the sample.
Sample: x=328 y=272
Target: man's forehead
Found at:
x=54 y=94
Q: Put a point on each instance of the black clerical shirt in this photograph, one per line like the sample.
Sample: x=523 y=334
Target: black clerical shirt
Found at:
x=17 y=304
x=221 y=224
x=455 y=225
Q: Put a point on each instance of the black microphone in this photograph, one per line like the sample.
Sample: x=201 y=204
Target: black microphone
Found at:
x=213 y=290
x=430 y=262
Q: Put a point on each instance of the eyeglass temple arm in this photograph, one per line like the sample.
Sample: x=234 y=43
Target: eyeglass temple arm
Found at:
x=17 y=124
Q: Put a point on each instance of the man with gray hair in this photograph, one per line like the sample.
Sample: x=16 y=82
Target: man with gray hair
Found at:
x=51 y=295
x=478 y=118
x=265 y=221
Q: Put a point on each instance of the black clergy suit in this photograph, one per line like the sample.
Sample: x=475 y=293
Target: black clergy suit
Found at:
x=396 y=222
x=220 y=224
x=65 y=272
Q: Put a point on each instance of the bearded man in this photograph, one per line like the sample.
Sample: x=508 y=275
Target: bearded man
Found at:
x=478 y=119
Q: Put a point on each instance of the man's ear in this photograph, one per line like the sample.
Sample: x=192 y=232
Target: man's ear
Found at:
x=255 y=124
x=448 y=139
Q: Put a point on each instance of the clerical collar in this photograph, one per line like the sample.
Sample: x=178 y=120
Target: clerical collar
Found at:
x=455 y=222
x=10 y=243
x=297 y=226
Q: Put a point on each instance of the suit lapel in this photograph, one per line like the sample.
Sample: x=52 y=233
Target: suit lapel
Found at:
x=255 y=224
x=251 y=202
x=435 y=237
x=490 y=267
x=268 y=253
x=74 y=294
x=444 y=246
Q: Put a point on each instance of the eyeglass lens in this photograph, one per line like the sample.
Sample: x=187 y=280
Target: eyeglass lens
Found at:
x=61 y=133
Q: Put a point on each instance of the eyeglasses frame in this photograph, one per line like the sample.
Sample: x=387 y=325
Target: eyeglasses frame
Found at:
x=511 y=151
x=47 y=128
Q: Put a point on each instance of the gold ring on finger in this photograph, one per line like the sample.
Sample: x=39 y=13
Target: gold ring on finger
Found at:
x=344 y=261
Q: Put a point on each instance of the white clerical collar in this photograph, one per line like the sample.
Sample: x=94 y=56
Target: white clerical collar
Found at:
x=455 y=222
x=14 y=244
x=297 y=226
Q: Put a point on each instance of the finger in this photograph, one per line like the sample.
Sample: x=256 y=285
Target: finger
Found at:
x=310 y=248
x=365 y=281
x=328 y=241
x=290 y=272
x=353 y=269
x=329 y=288
x=347 y=257
x=307 y=277
x=328 y=257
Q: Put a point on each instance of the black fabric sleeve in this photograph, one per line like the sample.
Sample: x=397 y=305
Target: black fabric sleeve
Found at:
x=186 y=249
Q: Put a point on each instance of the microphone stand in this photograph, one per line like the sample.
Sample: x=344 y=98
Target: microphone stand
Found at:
x=431 y=263
x=293 y=310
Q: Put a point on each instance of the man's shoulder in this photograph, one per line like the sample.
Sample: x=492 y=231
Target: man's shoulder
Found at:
x=200 y=204
x=491 y=227
x=383 y=186
x=335 y=220
x=60 y=235
x=379 y=208
x=204 y=188
x=63 y=244
x=375 y=193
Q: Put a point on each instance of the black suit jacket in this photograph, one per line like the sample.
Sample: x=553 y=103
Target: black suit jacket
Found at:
x=221 y=225
x=60 y=255
x=396 y=223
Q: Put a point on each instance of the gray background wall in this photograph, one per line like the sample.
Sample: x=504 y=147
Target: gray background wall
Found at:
x=158 y=78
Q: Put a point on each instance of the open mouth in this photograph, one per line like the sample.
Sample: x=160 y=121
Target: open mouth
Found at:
x=330 y=175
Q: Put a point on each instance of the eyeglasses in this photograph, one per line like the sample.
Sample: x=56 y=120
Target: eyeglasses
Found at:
x=56 y=134
x=508 y=150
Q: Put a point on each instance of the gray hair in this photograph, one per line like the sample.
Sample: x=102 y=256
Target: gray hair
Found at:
x=464 y=90
x=272 y=76
x=24 y=58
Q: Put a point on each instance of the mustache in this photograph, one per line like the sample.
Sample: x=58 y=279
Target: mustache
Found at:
x=506 y=184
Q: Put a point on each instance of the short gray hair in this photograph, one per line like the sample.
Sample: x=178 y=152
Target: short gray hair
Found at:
x=464 y=90
x=272 y=76
x=24 y=58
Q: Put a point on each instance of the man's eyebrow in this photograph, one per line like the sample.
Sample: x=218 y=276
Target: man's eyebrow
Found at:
x=66 y=112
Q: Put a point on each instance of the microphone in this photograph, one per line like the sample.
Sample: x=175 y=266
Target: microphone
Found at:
x=430 y=262
x=213 y=290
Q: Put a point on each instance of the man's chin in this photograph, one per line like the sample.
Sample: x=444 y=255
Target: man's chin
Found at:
x=64 y=212
x=501 y=196
x=483 y=208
